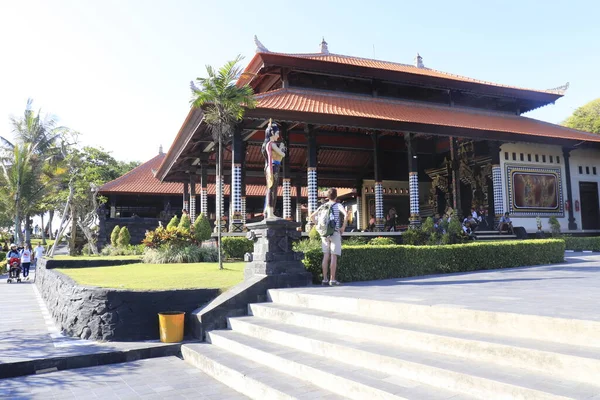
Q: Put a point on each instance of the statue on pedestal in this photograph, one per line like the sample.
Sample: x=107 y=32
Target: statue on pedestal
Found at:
x=273 y=153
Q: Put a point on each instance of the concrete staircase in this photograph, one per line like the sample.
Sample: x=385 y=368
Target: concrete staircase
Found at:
x=493 y=235
x=306 y=345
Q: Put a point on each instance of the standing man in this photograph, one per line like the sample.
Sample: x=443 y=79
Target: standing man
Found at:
x=331 y=245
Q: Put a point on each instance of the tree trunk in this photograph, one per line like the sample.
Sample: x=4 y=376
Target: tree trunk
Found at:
x=73 y=239
x=220 y=191
x=90 y=238
x=28 y=230
x=43 y=231
x=50 y=218
x=62 y=221
x=57 y=238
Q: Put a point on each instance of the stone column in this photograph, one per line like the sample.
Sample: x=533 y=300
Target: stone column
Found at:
x=413 y=180
x=193 y=197
x=186 y=195
x=298 y=202
x=572 y=225
x=237 y=219
x=287 y=184
x=379 y=219
x=359 y=192
x=204 y=189
x=455 y=179
x=311 y=177
x=496 y=181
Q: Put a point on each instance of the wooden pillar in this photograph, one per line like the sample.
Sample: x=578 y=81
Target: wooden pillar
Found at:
x=413 y=180
x=186 y=197
x=455 y=179
x=572 y=225
x=379 y=219
x=192 y=197
x=204 y=188
x=312 y=172
x=237 y=148
x=287 y=184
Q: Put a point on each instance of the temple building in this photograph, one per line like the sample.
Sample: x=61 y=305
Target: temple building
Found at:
x=408 y=140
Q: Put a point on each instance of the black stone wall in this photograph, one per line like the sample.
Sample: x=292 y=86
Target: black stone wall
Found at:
x=111 y=314
x=137 y=228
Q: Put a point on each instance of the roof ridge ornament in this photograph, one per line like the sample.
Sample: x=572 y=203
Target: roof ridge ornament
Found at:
x=160 y=150
x=260 y=48
x=324 y=48
x=419 y=61
x=560 y=89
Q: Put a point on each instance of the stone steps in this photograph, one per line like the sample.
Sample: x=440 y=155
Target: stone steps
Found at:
x=567 y=361
x=472 y=378
x=248 y=377
x=322 y=343
x=349 y=380
x=573 y=332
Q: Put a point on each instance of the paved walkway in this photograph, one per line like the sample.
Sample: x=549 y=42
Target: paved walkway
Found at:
x=27 y=330
x=156 y=378
x=567 y=290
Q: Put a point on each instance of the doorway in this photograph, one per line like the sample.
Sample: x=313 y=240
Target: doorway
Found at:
x=590 y=209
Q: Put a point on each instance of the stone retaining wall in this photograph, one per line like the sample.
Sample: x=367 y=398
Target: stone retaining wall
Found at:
x=112 y=314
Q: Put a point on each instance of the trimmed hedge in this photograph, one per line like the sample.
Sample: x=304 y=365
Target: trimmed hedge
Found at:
x=365 y=263
x=236 y=246
x=582 y=243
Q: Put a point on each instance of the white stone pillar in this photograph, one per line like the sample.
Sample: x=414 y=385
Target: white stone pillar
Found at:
x=379 y=220
x=413 y=186
x=237 y=219
x=497 y=183
x=287 y=199
x=312 y=190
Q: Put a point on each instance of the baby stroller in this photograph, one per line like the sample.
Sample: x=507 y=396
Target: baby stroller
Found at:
x=14 y=270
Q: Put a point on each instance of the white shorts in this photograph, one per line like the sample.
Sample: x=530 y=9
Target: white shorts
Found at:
x=332 y=244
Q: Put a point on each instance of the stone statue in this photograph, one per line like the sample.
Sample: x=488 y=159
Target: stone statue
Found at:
x=273 y=153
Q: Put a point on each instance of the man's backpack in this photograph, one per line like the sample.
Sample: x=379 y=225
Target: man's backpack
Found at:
x=326 y=220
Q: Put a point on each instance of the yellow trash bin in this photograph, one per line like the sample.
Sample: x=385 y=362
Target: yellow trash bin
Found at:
x=170 y=325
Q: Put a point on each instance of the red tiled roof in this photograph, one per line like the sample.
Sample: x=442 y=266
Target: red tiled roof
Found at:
x=254 y=65
x=141 y=180
x=317 y=102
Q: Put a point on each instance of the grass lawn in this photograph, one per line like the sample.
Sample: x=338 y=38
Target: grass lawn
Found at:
x=49 y=243
x=160 y=276
x=65 y=257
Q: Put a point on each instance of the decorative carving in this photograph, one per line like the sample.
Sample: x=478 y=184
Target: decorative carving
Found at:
x=419 y=61
x=560 y=89
x=260 y=48
x=273 y=154
x=324 y=48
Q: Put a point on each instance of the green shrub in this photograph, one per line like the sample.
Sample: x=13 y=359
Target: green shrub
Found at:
x=582 y=243
x=363 y=263
x=173 y=223
x=314 y=235
x=381 y=241
x=124 y=237
x=305 y=245
x=2 y=256
x=179 y=254
x=355 y=241
x=202 y=229
x=554 y=226
x=131 y=250
x=185 y=224
x=236 y=246
x=114 y=236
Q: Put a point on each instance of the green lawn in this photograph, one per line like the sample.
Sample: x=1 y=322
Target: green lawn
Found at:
x=49 y=243
x=160 y=276
x=65 y=257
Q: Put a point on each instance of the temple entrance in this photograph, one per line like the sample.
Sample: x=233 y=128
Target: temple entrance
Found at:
x=588 y=192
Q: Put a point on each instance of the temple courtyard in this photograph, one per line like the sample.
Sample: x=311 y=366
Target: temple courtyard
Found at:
x=547 y=312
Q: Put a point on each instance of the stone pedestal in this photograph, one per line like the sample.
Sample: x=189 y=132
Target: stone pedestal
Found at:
x=273 y=254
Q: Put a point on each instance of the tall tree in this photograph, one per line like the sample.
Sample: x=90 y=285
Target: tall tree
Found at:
x=223 y=103
x=586 y=118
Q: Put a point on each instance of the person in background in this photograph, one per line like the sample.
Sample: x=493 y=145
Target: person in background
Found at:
x=505 y=224
x=26 y=261
x=38 y=253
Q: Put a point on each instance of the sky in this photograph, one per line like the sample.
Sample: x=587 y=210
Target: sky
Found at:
x=118 y=71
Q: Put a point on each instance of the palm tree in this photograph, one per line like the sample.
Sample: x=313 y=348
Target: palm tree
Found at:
x=224 y=103
x=31 y=164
